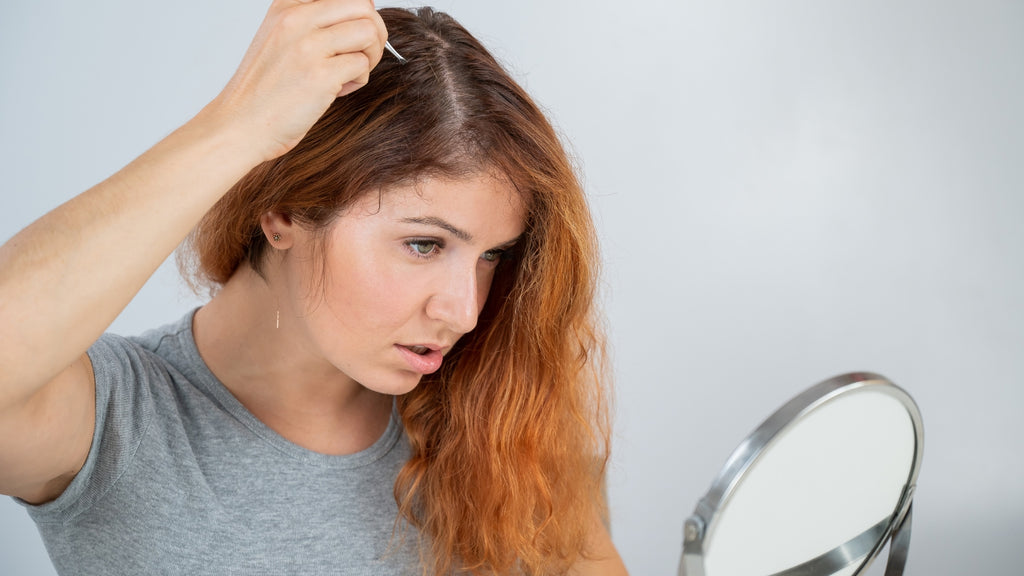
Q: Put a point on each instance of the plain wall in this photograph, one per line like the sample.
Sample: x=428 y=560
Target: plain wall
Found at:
x=785 y=191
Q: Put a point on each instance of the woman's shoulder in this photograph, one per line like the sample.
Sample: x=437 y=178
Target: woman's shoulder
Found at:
x=171 y=339
x=153 y=368
x=153 y=353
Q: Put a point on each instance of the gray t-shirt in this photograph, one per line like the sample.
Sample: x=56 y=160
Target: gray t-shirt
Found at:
x=183 y=479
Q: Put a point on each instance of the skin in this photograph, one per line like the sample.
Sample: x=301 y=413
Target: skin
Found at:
x=66 y=277
x=322 y=373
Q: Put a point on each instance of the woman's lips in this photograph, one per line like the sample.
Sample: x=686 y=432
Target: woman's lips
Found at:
x=426 y=363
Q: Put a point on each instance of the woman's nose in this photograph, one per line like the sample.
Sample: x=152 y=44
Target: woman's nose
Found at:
x=457 y=301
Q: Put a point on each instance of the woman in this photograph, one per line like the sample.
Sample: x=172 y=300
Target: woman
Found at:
x=399 y=370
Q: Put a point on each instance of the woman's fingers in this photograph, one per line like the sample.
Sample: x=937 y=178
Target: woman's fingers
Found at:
x=355 y=48
x=350 y=37
x=304 y=56
x=355 y=69
x=354 y=25
x=326 y=13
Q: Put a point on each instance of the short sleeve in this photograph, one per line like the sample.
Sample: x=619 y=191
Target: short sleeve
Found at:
x=124 y=372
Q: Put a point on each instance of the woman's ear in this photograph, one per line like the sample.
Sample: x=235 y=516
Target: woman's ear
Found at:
x=278 y=229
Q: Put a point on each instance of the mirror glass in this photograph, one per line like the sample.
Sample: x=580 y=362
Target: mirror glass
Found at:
x=826 y=472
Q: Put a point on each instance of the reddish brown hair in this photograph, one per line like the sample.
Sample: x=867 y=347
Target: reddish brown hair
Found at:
x=510 y=438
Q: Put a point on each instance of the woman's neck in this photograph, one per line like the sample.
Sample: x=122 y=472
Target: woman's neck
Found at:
x=273 y=371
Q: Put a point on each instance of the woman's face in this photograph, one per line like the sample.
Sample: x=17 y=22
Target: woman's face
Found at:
x=407 y=273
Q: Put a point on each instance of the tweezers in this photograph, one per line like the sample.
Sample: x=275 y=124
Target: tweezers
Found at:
x=394 y=52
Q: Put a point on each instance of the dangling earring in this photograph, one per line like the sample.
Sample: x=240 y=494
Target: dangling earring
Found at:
x=277 y=320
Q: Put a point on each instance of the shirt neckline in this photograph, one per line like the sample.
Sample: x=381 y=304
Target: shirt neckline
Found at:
x=203 y=378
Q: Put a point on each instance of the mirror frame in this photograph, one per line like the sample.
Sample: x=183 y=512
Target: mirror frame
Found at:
x=702 y=522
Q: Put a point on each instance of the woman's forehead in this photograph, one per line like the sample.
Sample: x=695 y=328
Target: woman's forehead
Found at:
x=481 y=204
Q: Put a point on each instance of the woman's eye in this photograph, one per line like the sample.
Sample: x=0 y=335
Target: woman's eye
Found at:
x=423 y=247
x=492 y=255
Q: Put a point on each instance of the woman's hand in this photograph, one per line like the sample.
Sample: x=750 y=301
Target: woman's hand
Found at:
x=305 y=54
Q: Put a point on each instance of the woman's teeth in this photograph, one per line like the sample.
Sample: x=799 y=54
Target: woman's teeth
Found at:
x=421 y=350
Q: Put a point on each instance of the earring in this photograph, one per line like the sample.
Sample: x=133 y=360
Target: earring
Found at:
x=277 y=237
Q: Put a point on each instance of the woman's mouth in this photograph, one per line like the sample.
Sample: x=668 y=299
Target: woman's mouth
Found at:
x=421 y=359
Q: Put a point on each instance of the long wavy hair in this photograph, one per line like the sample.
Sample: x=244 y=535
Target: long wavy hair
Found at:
x=510 y=438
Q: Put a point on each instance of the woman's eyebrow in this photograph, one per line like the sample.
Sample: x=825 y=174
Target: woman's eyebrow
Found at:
x=441 y=223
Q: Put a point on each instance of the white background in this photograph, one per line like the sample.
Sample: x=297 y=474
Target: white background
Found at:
x=785 y=191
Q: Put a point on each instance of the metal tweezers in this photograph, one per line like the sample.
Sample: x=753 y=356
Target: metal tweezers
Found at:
x=394 y=52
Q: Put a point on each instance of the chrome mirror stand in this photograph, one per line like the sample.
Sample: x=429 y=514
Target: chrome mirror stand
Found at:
x=893 y=529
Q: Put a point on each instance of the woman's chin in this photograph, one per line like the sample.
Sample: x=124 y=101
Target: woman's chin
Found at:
x=396 y=386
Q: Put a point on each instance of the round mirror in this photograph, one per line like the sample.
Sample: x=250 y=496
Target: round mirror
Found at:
x=817 y=489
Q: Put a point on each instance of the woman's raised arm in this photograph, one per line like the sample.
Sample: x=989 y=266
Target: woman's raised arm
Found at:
x=67 y=276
